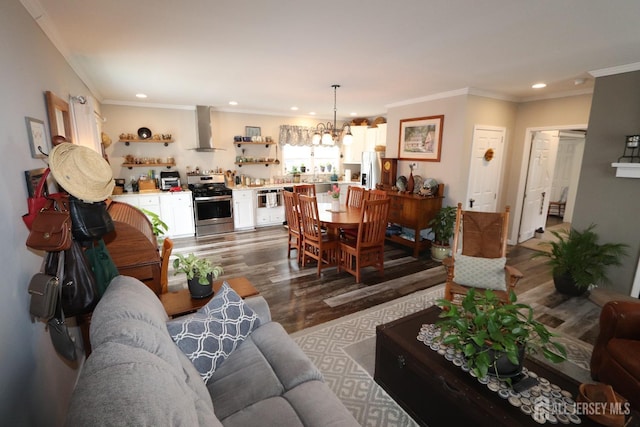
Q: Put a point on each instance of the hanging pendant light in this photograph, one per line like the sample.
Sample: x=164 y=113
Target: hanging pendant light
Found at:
x=327 y=133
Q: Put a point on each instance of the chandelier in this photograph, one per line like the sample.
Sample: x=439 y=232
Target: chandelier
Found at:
x=327 y=133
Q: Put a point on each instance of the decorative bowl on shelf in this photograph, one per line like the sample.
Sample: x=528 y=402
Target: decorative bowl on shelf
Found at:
x=144 y=133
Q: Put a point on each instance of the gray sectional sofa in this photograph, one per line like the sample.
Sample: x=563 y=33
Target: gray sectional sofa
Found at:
x=137 y=376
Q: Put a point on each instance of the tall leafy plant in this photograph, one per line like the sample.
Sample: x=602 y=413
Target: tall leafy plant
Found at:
x=442 y=225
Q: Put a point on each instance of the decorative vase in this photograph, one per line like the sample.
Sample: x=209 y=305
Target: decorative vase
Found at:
x=335 y=205
x=199 y=291
x=565 y=284
x=410 y=183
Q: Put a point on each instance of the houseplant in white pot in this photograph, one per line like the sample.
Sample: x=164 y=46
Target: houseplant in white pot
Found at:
x=442 y=226
x=200 y=274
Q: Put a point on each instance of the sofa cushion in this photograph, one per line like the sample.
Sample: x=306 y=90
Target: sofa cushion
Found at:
x=486 y=273
x=209 y=336
x=271 y=412
x=122 y=385
x=269 y=360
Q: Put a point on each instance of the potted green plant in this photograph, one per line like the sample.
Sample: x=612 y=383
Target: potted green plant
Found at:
x=578 y=260
x=303 y=168
x=442 y=226
x=296 y=174
x=493 y=336
x=200 y=274
x=159 y=226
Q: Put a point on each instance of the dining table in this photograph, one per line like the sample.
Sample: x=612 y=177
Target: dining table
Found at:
x=346 y=217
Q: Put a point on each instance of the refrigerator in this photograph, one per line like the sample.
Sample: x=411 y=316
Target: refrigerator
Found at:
x=370 y=169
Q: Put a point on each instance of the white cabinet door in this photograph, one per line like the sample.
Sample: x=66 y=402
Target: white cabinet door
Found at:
x=150 y=202
x=353 y=153
x=243 y=209
x=176 y=210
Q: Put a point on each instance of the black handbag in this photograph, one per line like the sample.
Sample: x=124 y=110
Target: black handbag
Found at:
x=89 y=221
x=79 y=289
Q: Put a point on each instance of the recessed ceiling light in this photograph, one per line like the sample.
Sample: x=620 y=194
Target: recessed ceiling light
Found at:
x=294 y=108
x=233 y=102
x=141 y=95
x=354 y=114
x=313 y=113
x=539 y=85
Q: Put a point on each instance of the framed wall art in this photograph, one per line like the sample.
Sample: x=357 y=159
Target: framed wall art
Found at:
x=37 y=139
x=252 y=131
x=421 y=138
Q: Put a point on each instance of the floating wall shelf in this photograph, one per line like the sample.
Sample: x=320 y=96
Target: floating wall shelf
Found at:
x=627 y=170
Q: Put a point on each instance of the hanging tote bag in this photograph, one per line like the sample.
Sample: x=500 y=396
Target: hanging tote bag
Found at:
x=102 y=265
x=79 y=289
x=89 y=221
x=64 y=345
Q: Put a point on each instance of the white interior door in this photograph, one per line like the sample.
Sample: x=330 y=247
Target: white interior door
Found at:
x=485 y=169
x=542 y=161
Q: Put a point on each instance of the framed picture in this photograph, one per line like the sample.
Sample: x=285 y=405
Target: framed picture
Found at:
x=421 y=139
x=252 y=131
x=35 y=131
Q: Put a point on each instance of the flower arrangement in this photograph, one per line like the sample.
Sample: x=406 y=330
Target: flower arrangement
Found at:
x=335 y=192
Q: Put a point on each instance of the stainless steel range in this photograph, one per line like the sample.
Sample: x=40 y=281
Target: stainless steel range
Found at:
x=212 y=204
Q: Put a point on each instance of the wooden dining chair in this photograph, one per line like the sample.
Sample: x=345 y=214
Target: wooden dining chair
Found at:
x=479 y=255
x=292 y=213
x=378 y=195
x=323 y=247
x=368 y=247
x=306 y=189
x=356 y=195
x=167 y=248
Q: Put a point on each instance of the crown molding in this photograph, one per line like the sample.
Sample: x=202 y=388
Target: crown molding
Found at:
x=603 y=72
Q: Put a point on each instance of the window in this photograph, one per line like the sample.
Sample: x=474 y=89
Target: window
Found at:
x=314 y=158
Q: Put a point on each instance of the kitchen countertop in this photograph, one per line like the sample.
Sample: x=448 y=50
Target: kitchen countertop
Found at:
x=289 y=184
x=139 y=193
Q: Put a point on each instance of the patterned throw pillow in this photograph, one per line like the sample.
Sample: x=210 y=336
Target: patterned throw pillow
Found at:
x=486 y=273
x=209 y=336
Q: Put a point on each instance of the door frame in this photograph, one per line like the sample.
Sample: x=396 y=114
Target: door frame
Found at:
x=524 y=172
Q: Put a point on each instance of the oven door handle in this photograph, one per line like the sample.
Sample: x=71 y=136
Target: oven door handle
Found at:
x=212 y=198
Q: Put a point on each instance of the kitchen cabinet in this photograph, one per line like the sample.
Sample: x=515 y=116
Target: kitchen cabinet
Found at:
x=376 y=136
x=243 y=209
x=413 y=212
x=353 y=153
x=176 y=210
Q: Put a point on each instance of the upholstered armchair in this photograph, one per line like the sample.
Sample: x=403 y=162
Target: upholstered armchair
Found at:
x=615 y=359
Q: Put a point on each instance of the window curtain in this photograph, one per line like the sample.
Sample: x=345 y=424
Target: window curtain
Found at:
x=296 y=135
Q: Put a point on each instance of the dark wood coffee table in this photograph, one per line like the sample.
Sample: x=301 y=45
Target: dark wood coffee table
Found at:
x=180 y=302
x=434 y=391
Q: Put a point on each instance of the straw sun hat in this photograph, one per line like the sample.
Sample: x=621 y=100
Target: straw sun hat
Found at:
x=82 y=172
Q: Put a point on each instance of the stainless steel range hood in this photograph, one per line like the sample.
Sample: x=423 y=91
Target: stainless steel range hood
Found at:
x=203 y=127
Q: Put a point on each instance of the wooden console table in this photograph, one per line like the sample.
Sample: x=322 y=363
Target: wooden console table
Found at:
x=180 y=302
x=414 y=212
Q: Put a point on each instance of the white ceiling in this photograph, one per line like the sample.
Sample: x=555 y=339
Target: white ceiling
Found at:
x=271 y=55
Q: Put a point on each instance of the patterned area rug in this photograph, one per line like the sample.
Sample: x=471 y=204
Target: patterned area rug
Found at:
x=343 y=350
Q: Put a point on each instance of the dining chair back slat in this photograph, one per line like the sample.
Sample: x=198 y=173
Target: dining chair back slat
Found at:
x=368 y=248
x=306 y=189
x=378 y=195
x=322 y=247
x=356 y=195
x=292 y=215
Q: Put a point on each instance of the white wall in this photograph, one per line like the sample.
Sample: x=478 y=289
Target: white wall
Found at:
x=35 y=382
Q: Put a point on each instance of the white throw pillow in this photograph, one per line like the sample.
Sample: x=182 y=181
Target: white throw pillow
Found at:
x=485 y=273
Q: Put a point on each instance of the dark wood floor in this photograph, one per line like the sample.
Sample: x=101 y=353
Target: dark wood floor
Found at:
x=299 y=299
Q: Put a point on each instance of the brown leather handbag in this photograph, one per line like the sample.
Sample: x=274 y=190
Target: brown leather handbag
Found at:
x=50 y=231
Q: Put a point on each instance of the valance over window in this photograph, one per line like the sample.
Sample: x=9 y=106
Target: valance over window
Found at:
x=296 y=135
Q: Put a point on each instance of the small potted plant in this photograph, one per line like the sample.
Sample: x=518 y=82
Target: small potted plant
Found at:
x=494 y=337
x=159 y=226
x=200 y=274
x=303 y=168
x=296 y=174
x=578 y=260
x=329 y=167
x=442 y=227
